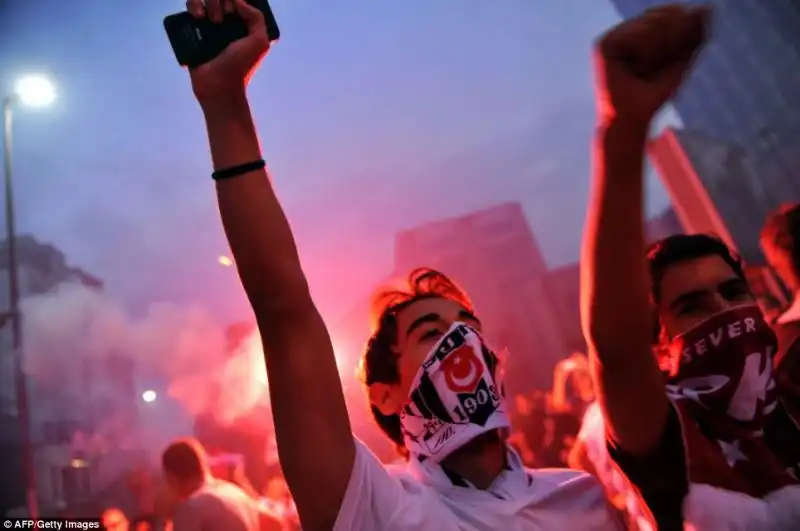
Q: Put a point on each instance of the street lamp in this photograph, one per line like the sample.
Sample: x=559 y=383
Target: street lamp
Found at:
x=149 y=396
x=31 y=91
x=35 y=91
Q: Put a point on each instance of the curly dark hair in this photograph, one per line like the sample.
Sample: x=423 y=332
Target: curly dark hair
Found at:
x=379 y=360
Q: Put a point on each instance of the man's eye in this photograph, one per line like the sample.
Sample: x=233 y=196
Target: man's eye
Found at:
x=689 y=309
x=431 y=334
x=736 y=294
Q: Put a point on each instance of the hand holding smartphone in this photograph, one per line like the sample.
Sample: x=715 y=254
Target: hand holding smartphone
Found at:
x=196 y=41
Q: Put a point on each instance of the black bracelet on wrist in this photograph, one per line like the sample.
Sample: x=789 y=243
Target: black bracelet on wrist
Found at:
x=241 y=169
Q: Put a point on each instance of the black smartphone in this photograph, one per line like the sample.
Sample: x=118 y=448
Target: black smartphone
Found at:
x=197 y=41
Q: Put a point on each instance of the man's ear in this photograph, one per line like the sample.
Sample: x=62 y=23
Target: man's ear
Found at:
x=385 y=398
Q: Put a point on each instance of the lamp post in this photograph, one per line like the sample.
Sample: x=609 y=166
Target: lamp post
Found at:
x=32 y=91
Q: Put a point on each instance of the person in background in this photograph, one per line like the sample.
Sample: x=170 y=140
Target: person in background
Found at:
x=780 y=241
x=573 y=392
x=573 y=389
x=165 y=502
x=114 y=519
x=230 y=467
x=521 y=426
x=426 y=352
x=205 y=502
x=693 y=449
x=278 y=500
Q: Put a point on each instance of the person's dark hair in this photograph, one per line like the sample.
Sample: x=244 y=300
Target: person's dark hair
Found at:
x=184 y=459
x=680 y=248
x=782 y=232
x=379 y=360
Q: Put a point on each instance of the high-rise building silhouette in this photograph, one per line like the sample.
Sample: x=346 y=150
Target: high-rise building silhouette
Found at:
x=745 y=87
x=563 y=282
x=41 y=267
x=494 y=255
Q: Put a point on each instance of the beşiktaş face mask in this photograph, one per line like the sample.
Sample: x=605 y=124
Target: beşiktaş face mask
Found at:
x=454 y=397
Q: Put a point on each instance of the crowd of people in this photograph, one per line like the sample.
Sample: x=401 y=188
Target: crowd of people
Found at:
x=684 y=413
x=545 y=427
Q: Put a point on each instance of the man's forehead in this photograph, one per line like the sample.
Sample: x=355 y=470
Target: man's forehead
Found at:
x=706 y=273
x=432 y=305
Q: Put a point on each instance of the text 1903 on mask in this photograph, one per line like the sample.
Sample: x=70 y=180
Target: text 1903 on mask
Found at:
x=454 y=397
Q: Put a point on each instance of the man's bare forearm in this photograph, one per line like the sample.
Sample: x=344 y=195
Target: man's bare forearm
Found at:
x=231 y=132
x=615 y=291
x=270 y=270
x=615 y=279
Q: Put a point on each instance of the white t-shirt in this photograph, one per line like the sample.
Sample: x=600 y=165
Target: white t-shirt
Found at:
x=422 y=497
x=218 y=505
x=593 y=436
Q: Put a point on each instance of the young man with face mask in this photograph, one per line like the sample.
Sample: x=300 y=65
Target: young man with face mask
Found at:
x=698 y=449
x=440 y=393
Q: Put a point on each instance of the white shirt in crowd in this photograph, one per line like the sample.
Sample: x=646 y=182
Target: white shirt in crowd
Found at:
x=593 y=436
x=421 y=497
x=218 y=505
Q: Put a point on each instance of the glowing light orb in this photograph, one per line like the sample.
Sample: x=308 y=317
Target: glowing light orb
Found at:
x=225 y=261
x=149 y=396
x=35 y=91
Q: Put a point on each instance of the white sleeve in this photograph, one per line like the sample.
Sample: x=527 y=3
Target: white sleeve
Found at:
x=375 y=499
x=589 y=422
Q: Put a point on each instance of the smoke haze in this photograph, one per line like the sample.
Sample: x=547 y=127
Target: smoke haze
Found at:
x=84 y=351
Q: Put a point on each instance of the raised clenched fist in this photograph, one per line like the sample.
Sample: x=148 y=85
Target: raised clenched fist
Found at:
x=640 y=63
x=228 y=73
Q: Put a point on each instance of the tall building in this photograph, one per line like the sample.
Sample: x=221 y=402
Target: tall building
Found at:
x=563 y=283
x=665 y=224
x=713 y=188
x=40 y=268
x=744 y=90
x=563 y=290
x=493 y=254
x=467 y=242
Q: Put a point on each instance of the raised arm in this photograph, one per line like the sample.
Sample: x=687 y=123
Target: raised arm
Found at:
x=639 y=65
x=315 y=444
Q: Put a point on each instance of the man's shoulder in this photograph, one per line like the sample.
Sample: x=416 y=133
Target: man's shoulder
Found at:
x=409 y=482
x=558 y=475
x=219 y=491
x=222 y=503
x=566 y=489
x=558 y=479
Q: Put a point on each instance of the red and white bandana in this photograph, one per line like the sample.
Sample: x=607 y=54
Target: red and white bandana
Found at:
x=454 y=397
x=724 y=390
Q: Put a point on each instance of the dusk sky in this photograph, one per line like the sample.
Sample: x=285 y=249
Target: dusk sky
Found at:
x=374 y=116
